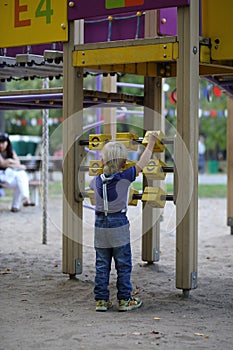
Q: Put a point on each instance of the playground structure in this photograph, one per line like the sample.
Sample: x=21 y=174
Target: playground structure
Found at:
x=199 y=48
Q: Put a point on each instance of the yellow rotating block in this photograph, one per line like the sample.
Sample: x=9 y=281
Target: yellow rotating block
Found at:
x=159 y=146
x=97 y=141
x=91 y=195
x=127 y=139
x=128 y=164
x=129 y=144
x=154 y=196
x=132 y=201
x=153 y=170
x=95 y=167
x=126 y=136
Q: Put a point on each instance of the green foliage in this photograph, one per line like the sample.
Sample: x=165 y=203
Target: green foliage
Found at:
x=213 y=127
x=214 y=130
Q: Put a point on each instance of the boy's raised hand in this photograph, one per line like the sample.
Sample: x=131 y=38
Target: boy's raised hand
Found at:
x=153 y=136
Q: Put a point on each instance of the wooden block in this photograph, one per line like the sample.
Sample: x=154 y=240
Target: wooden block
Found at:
x=95 y=167
x=91 y=195
x=97 y=141
x=132 y=201
x=159 y=146
x=152 y=195
x=153 y=170
x=127 y=139
x=126 y=136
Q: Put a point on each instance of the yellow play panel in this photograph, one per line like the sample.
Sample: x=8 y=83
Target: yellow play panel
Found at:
x=217 y=25
x=32 y=22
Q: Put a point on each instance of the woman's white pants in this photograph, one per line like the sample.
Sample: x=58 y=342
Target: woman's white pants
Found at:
x=17 y=179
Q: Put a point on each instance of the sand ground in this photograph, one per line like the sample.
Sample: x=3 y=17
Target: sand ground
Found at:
x=41 y=308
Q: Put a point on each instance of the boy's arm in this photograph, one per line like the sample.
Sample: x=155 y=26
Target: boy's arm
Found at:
x=146 y=155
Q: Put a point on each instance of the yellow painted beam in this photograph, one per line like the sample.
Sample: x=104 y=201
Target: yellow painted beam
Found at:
x=205 y=54
x=125 y=55
x=217 y=25
x=151 y=69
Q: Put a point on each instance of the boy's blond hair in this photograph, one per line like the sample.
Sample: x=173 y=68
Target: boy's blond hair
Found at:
x=114 y=155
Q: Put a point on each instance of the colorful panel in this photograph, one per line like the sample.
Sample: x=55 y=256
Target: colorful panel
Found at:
x=112 y=4
x=94 y=8
x=167 y=21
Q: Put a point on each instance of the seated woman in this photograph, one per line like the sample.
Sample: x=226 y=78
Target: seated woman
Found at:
x=13 y=174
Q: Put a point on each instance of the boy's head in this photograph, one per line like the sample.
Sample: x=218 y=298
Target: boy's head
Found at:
x=114 y=155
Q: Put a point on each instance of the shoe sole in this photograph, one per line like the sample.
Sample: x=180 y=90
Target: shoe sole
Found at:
x=129 y=308
x=101 y=308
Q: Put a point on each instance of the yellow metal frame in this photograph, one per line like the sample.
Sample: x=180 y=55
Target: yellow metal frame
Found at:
x=126 y=52
x=148 y=57
x=122 y=55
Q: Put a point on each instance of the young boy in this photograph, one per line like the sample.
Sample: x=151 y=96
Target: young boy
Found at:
x=112 y=234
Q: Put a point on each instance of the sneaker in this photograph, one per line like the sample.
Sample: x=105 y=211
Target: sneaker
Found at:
x=103 y=305
x=130 y=304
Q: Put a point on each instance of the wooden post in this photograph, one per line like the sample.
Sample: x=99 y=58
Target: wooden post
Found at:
x=72 y=128
x=152 y=121
x=109 y=85
x=151 y=216
x=186 y=148
x=230 y=164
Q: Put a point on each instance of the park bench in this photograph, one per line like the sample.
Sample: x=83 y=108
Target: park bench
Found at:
x=34 y=167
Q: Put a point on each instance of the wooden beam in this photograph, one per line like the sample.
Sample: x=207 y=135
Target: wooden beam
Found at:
x=72 y=210
x=230 y=164
x=186 y=150
x=152 y=121
x=124 y=52
x=151 y=216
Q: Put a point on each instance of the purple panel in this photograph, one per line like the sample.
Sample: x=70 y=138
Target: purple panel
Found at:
x=92 y=8
x=124 y=28
x=167 y=21
x=227 y=88
x=34 y=49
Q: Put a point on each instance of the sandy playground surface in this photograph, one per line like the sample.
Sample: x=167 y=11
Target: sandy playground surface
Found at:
x=41 y=308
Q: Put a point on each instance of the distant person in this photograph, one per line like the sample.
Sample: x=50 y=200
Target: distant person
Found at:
x=13 y=174
x=201 y=155
x=112 y=233
x=58 y=153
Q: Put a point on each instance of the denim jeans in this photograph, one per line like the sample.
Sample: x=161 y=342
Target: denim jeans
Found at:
x=111 y=230
x=123 y=264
